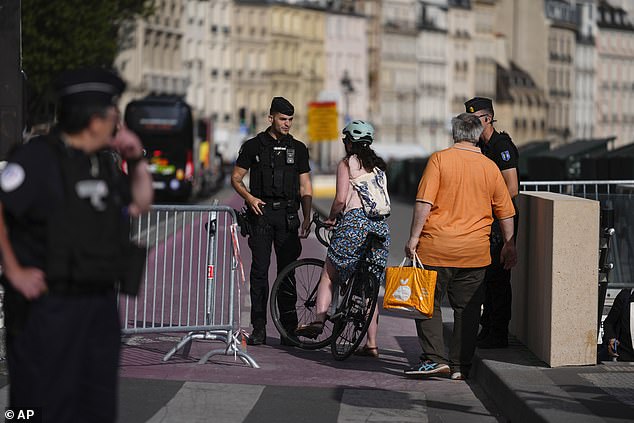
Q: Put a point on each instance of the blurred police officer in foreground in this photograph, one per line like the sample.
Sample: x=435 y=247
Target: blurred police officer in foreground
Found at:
x=279 y=182
x=498 y=147
x=64 y=241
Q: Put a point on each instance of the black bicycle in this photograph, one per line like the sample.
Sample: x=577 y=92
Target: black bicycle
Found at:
x=354 y=300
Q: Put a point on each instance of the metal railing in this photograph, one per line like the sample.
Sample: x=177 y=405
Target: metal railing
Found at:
x=585 y=189
x=617 y=211
x=191 y=282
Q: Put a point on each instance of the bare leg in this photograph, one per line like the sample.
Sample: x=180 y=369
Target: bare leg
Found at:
x=324 y=291
x=373 y=329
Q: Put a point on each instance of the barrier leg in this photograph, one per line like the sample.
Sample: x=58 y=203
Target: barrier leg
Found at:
x=231 y=349
x=185 y=342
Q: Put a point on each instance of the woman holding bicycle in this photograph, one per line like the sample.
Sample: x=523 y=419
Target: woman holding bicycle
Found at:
x=351 y=227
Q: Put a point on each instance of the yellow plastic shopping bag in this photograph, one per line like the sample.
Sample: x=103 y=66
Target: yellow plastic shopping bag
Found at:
x=409 y=291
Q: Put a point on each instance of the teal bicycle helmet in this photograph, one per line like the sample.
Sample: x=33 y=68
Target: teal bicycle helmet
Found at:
x=359 y=131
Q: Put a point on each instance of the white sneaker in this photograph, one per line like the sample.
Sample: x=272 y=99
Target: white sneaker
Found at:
x=457 y=376
x=426 y=368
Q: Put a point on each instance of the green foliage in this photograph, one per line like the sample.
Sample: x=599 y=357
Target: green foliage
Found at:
x=66 y=34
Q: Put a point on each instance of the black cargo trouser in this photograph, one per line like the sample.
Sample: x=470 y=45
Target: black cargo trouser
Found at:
x=496 y=313
x=272 y=229
x=64 y=360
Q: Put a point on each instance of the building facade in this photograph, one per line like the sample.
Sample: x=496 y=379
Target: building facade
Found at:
x=151 y=57
x=556 y=69
x=488 y=48
x=433 y=80
x=220 y=99
x=195 y=38
x=521 y=106
x=541 y=41
x=346 y=61
x=296 y=58
x=249 y=45
x=561 y=69
x=373 y=11
x=615 y=74
x=461 y=58
x=398 y=117
x=585 y=70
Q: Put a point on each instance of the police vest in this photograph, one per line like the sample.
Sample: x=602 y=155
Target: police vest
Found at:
x=275 y=174
x=88 y=235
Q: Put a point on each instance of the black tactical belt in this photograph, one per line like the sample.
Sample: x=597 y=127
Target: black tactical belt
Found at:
x=283 y=204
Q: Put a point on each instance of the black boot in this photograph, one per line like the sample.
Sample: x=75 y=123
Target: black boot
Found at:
x=484 y=333
x=287 y=342
x=290 y=340
x=258 y=336
x=492 y=341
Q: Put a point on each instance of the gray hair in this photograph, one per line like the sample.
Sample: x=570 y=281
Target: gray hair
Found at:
x=466 y=127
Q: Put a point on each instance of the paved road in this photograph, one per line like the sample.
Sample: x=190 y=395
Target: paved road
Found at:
x=292 y=385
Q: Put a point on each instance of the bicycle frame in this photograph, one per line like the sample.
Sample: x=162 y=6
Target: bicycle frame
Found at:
x=363 y=265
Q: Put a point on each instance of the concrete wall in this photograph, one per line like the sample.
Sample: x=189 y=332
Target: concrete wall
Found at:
x=555 y=284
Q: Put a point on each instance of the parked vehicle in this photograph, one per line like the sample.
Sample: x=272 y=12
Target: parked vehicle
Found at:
x=182 y=165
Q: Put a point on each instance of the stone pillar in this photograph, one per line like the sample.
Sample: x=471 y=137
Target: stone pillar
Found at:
x=555 y=284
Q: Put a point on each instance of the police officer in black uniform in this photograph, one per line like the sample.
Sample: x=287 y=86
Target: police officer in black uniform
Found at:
x=498 y=147
x=617 y=327
x=64 y=230
x=279 y=182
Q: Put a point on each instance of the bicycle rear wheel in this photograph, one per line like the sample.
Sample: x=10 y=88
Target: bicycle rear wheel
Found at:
x=297 y=283
x=356 y=314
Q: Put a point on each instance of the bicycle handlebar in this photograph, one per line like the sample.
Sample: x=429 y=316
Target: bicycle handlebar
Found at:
x=322 y=231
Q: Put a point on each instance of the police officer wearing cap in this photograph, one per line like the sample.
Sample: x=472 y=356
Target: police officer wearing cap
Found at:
x=279 y=182
x=498 y=147
x=64 y=229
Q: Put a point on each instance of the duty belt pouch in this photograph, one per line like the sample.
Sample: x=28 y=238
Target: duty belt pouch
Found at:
x=132 y=276
x=292 y=222
x=243 y=222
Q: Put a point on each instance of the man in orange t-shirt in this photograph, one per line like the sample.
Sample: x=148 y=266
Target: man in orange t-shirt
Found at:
x=457 y=194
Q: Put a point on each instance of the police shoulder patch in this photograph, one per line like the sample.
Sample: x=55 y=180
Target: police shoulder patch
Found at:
x=12 y=177
x=506 y=156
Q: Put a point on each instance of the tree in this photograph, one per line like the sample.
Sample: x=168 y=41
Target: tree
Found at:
x=59 y=35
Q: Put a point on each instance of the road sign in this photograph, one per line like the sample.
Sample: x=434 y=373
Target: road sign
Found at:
x=322 y=121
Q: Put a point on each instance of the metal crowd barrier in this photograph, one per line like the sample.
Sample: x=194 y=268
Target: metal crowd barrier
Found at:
x=192 y=278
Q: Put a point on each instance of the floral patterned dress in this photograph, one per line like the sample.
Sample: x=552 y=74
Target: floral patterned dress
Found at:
x=347 y=242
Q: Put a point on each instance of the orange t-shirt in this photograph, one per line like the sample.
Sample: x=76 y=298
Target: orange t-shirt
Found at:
x=464 y=188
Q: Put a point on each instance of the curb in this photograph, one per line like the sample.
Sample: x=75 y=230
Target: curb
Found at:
x=518 y=384
x=506 y=399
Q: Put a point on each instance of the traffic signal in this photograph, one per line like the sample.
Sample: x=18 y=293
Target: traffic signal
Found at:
x=242 y=115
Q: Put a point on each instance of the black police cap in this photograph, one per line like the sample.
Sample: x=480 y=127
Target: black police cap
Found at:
x=282 y=105
x=478 y=103
x=89 y=86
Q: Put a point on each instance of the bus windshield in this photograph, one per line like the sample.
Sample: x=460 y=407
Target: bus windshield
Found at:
x=165 y=127
x=161 y=124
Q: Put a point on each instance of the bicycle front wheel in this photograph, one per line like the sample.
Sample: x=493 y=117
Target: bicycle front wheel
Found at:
x=356 y=314
x=294 y=301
